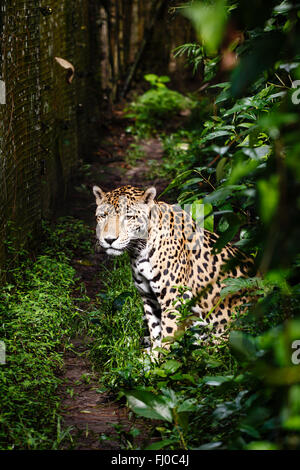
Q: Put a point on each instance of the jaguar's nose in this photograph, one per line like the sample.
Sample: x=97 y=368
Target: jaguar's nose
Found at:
x=110 y=240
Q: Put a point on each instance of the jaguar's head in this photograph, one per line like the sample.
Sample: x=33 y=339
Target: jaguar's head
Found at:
x=123 y=218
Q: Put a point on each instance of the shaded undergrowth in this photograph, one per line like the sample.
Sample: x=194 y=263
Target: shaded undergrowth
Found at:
x=237 y=394
x=38 y=318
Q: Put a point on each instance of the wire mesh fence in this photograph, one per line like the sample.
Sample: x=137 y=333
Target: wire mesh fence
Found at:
x=39 y=110
x=47 y=121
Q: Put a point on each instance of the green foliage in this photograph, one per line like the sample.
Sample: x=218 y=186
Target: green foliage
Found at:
x=194 y=54
x=70 y=235
x=117 y=328
x=35 y=318
x=209 y=20
x=38 y=317
x=203 y=396
x=237 y=154
x=155 y=106
x=134 y=153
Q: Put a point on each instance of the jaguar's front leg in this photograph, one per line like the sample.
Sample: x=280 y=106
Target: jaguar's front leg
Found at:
x=152 y=315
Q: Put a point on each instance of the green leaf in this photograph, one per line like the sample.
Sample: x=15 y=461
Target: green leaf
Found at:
x=217 y=380
x=171 y=366
x=241 y=169
x=215 y=134
x=188 y=377
x=242 y=105
x=151 y=78
x=261 y=445
x=149 y=405
x=236 y=284
x=169 y=339
x=250 y=430
x=223 y=96
x=292 y=423
x=234 y=223
x=164 y=79
x=170 y=397
x=218 y=196
x=220 y=173
x=243 y=344
x=209 y=20
x=224 y=85
x=188 y=406
x=159 y=372
x=213 y=363
x=268 y=197
x=203 y=214
x=160 y=444
x=257 y=153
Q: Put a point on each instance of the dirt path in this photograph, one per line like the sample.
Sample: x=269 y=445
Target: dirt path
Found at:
x=89 y=412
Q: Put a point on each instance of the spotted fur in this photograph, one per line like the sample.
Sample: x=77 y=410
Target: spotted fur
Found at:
x=167 y=250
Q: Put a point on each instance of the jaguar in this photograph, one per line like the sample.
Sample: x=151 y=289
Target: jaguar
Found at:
x=173 y=261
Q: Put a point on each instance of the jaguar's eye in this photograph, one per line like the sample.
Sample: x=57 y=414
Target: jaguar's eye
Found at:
x=130 y=216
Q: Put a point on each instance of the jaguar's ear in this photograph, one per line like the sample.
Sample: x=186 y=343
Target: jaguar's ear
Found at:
x=99 y=194
x=149 y=195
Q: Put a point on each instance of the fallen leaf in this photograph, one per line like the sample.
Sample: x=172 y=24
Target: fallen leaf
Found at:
x=68 y=66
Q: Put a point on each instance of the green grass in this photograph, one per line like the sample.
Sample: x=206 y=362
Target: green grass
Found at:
x=117 y=327
x=134 y=153
x=38 y=318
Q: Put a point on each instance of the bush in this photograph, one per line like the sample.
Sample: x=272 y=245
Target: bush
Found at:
x=152 y=109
